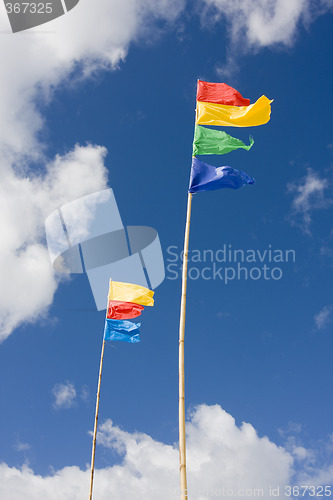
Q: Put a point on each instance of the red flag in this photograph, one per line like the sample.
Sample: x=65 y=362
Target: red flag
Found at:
x=220 y=93
x=123 y=310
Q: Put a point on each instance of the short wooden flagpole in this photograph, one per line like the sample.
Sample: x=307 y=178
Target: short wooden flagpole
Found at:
x=182 y=438
x=95 y=426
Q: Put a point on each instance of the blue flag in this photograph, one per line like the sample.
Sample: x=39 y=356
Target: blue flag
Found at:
x=205 y=177
x=122 y=330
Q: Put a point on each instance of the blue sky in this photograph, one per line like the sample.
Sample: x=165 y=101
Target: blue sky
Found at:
x=108 y=94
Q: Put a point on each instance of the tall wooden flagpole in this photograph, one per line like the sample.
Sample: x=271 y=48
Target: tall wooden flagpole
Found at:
x=182 y=439
x=95 y=426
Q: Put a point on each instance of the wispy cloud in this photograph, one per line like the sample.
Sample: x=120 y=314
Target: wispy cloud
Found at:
x=222 y=314
x=84 y=393
x=324 y=317
x=291 y=428
x=262 y=23
x=309 y=195
x=312 y=466
x=19 y=446
x=64 y=396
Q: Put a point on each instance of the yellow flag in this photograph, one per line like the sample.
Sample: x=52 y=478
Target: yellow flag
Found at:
x=127 y=292
x=234 y=116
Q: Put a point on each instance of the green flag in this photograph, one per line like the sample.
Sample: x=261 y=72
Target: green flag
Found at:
x=215 y=142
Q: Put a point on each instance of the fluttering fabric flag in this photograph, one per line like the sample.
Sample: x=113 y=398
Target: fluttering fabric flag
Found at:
x=205 y=177
x=220 y=93
x=127 y=292
x=209 y=141
x=234 y=116
x=125 y=300
x=123 y=310
x=122 y=330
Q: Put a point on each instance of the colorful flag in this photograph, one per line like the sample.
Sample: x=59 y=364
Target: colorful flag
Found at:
x=127 y=292
x=206 y=177
x=208 y=141
x=125 y=331
x=123 y=310
x=234 y=116
x=220 y=93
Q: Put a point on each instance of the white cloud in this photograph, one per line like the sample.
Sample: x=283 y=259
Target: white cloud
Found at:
x=222 y=314
x=84 y=393
x=94 y=36
x=19 y=446
x=218 y=446
x=220 y=455
x=262 y=23
x=327 y=251
x=229 y=69
x=292 y=428
x=324 y=317
x=315 y=466
x=309 y=195
x=64 y=396
x=28 y=283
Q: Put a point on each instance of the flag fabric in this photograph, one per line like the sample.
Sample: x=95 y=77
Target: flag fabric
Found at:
x=123 y=310
x=234 y=116
x=220 y=93
x=121 y=330
x=209 y=141
x=127 y=292
x=125 y=301
x=206 y=177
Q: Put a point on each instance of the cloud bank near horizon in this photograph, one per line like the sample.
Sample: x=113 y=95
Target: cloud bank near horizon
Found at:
x=220 y=454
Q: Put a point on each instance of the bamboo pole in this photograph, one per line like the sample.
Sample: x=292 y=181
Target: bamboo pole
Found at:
x=95 y=426
x=182 y=439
